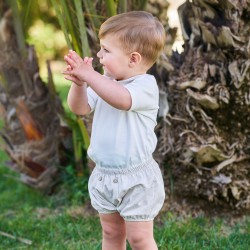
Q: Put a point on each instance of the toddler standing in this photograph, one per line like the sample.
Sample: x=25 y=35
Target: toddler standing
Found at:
x=126 y=186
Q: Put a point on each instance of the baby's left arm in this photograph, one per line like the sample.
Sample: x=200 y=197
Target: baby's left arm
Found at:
x=111 y=92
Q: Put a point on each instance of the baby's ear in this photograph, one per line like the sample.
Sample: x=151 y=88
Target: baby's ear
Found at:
x=135 y=58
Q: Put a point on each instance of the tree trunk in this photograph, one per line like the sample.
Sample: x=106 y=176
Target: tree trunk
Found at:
x=205 y=138
x=32 y=131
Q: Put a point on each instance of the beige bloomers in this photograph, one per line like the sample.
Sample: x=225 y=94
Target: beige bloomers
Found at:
x=136 y=193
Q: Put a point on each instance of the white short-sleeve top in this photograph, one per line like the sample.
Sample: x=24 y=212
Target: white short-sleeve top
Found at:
x=123 y=139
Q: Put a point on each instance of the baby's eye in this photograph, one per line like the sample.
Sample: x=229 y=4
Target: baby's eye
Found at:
x=105 y=50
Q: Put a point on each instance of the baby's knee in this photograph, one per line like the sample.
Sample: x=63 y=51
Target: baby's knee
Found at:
x=137 y=240
x=140 y=241
x=111 y=233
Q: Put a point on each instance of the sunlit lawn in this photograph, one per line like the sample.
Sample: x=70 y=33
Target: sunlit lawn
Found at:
x=34 y=221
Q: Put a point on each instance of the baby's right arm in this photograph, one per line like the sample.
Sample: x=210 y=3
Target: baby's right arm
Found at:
x=78 y=100
x=77 y=96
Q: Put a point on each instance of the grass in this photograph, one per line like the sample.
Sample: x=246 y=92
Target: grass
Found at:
x=60 y=221
x=50 y=222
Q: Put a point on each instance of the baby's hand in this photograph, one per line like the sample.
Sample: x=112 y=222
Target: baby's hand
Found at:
x=73 y=59
x=75 y=67
x=88 y=60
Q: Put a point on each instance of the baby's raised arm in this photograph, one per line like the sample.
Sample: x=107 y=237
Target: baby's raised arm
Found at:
x=82 y=71
x=77 y=96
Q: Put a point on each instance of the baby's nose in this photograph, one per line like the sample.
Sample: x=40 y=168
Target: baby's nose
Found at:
x=99 y=54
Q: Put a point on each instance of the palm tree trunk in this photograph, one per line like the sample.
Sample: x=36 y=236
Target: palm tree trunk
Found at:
x=32 y=130
x=205 y=138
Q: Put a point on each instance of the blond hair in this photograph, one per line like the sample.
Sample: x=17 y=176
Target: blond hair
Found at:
x=136 y=31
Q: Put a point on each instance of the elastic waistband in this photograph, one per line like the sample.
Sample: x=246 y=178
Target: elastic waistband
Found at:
x=132 y=169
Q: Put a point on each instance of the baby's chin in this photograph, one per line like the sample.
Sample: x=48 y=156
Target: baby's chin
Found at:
x=105 y=73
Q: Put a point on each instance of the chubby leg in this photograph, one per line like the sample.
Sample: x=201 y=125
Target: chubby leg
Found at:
x=113 y=232
x=140 y=235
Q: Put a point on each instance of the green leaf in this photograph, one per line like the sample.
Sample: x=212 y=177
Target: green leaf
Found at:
x=111 y=7
x=82 y=28
x=61 y=22
x=70 y=23
x=84 y=132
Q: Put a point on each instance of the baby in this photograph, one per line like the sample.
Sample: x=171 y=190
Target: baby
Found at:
x=126 y=186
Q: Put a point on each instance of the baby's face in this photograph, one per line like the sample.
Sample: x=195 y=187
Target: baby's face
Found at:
x=114 y=59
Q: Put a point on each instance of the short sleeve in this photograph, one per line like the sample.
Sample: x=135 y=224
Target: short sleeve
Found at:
x=144 y=93
x=92 y=98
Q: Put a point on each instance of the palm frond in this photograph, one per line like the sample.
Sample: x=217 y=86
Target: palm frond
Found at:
x=111 y=7
x=18 y=26
x=82 y=28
